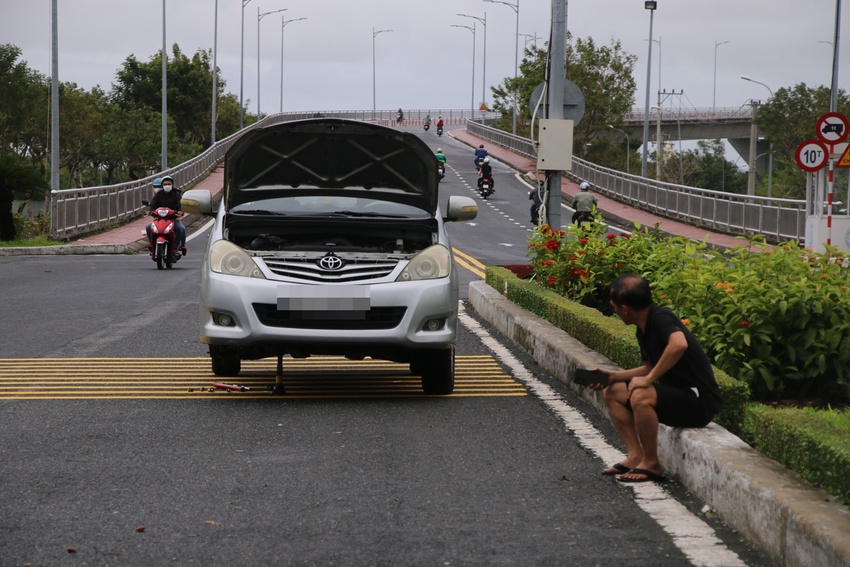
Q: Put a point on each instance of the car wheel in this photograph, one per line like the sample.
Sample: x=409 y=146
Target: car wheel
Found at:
x=225 y=361
x=438 y=372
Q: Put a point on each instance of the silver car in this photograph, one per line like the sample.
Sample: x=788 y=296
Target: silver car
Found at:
x=329 y=241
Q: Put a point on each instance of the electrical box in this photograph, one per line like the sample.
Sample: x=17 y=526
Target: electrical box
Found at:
x=555 y=152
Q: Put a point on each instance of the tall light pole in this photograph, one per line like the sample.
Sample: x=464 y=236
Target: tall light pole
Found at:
x=753 y=133
x=374 y=35
x=833 y=90
x=242 y=65
x=164 y=95
x=528 y=37
x=259 y=74
x=214 y=74
x=283 y=23
x=515 y=8
x=472 y=29
x=484 y=64
x=650 y=5
x=714 y=91
x=628 y=147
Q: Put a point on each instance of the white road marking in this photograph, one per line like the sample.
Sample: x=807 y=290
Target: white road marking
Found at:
x=690 y=534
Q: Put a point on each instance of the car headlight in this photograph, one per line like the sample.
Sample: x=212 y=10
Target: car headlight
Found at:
x=227 y=258
x=432 y=263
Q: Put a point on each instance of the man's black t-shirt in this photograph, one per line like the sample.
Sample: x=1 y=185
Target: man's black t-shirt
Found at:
x=693 y=370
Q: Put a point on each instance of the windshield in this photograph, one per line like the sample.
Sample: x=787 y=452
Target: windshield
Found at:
x=310 y=205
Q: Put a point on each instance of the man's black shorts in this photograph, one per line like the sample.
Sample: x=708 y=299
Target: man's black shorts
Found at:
x=681 y=407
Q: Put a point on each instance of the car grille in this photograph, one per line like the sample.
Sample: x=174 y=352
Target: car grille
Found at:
x=375 y=318
x=306 y=269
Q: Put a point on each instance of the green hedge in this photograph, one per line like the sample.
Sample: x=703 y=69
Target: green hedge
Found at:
x=805 y=443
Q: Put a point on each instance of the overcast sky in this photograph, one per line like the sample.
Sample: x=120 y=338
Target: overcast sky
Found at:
x=424 y=63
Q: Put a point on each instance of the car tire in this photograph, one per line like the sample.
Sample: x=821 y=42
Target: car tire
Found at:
x=225 y=361
x=438 y=372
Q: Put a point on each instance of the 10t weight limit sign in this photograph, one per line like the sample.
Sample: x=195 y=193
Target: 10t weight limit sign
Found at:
x=812 y=155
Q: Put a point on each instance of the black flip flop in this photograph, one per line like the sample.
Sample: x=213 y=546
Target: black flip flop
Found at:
x=649 y=476
x=619 y=468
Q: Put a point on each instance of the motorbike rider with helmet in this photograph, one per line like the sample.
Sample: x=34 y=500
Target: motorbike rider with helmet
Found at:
x=440 y=123
x=157 y=185
x=486 y=172
x=480 y=154
x=583 y=203
x=170 y=197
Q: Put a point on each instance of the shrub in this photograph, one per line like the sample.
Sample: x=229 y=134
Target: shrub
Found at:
x=774 y=318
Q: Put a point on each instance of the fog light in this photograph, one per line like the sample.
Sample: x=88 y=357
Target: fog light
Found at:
x=434 y=324
x=223 y=319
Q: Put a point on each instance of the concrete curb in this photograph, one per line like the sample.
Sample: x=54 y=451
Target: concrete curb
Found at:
x=794 y=523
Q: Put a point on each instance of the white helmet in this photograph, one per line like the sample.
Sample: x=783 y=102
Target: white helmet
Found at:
x=486 y=160
x=439 y=150
x=584 y=186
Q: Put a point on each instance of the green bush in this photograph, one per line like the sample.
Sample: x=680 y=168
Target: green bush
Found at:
x=775 y=318
x=806 y=441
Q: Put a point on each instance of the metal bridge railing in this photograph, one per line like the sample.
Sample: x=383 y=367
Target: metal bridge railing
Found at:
x=730 y=213
x=76 y=212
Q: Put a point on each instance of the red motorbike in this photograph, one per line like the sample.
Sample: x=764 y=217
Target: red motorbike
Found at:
x=485 y=186
x=163 y=239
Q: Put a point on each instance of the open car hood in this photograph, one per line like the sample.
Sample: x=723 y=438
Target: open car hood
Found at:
x=305 y=157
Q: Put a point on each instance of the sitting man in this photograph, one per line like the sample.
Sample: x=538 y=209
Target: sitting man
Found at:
x=583 y=203
x=674 y=386
x=170 y=197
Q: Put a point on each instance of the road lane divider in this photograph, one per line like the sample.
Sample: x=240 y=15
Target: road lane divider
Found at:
x=469 y=263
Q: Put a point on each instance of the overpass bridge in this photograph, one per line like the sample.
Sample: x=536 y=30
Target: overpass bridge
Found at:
x=75 y=212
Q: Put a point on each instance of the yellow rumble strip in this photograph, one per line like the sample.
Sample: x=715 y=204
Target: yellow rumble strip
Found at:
x=183 y=378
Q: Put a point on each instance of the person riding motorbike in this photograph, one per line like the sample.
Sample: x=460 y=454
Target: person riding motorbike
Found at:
x=427 y=120
x=486 y=172
x=399 y=116
x=584 y=203
x=169 y=197
x=441 y=157
x=480 y=154
x=440 y=122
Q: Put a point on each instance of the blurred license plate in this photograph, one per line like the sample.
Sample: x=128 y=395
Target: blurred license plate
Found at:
x=323 y=298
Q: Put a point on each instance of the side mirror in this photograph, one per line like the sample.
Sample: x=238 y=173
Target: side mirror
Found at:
x=197 y=201
x=461 y=209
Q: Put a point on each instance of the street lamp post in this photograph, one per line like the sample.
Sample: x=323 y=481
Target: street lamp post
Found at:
x=164 y=95
x=650 y=5
x=515 y=8
x=484 y=63
x=770 y=151
x=259 y=74
x=214 y=77
x=472 y=29
x=242 y=65
x=374 y=35
x=714 y=91
x=283 y=23
x=628 y=147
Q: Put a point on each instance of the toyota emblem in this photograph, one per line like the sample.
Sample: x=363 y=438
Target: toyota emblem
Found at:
x=330 y=262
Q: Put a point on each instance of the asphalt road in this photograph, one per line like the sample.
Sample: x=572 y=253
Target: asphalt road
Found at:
x=398 y=480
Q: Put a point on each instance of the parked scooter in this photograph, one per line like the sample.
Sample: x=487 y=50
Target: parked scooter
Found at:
x=163 y=239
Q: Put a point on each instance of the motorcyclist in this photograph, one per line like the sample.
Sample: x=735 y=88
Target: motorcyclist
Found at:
x=480 y=154
x=399 y=116
x=583 y=203
x=536 y=197
x=427 y=120
x=170 y=197
x=486 y=172
x=441 y=157
x=440 y=122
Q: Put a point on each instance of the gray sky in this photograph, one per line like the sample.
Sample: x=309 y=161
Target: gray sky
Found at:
x=425 y=63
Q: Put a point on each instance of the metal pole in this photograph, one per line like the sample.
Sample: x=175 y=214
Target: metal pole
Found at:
x=260 y=17
x=659 y=143
x=214 y=75
x=164 y=95
x=472 y=29
x=557 y=79
x=833 y=92
x=374 y=35
x=651 y=7
x=516 y=68
x=628 y=149
x=242 y=66
x=484 y=64
x=54 y=112
x=714 y=95
x=283 y=23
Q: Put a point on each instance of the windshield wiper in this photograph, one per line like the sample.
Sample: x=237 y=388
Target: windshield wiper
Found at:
x=257 y=212
x=365 y=214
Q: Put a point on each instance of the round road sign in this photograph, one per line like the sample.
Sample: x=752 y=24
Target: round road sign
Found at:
x=811 y=155
x=832 y=128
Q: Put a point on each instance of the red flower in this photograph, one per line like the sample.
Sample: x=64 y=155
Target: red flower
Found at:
x=610 y=236
x=745 y=324
x=547 y=263
x=618 y=265
x=552 y=280
x=573 y=259
x=583 y=240
x=580 y=252
x=552 y=245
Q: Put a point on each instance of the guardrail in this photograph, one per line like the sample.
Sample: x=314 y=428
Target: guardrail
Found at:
x=76 y=212
x=731 y=213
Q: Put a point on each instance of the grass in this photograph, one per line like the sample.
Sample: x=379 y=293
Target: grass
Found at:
x=29 y=242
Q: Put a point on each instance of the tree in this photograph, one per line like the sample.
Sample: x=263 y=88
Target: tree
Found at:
x=602 y=73
x=17 y=179
x=23 y=112
x=787 y=119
